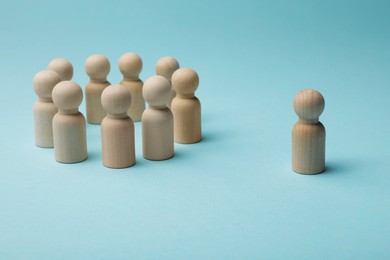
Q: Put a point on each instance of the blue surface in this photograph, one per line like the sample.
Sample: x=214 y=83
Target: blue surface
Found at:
x=232 y=196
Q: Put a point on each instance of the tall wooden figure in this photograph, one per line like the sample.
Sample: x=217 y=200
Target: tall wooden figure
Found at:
x=69 y=130
x=97 y=67
x=165 y=67
x=117 y=128
x=63 y=67
x=130 y=65
x=308 y=134
x=186 y=107
x=44 y=108
x=157 y=120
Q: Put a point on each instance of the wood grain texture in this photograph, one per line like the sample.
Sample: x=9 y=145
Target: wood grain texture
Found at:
x=93 y=93
x=69 y=126
x=137 y=106
x=165 y=67
x=117 y=129
x=308 y=134
x=130 y=65
x=63 y=67
x=157 y=120
x=186 y=107
x=97 y=68
x=44 y=108
x=43 y=119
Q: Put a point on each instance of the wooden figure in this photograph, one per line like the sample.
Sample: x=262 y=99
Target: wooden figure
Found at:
x=308 y=134
x=44 y=108
x=130 y=65
x=69 y=130
x=165 y=67
x=117 y=128
x=157 y=120
x=63 y=67
x=186 y=107
x=97 y=67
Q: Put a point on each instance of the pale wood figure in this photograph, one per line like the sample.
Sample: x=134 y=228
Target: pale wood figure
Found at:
x=130 y=65
x=44 y=108
x=157 y=120
x=186 y=107
x=97 y=67
x=308 y=134
x=69 y=127
x=117 y=128
x=63 y=67
x=165 y=67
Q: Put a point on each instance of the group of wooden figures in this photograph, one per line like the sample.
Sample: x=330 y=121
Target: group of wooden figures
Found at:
x=173 y=114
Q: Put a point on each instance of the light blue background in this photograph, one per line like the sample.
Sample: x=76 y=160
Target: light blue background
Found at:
x=232 y=196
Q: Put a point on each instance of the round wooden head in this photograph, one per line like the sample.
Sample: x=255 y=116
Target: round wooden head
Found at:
x=130 y=65
x=156 y=91
x=309 y=104
x=67 y=95
x=166 y=66
x=97 y=67
x=63 y=67
x=185 y=81
x=116 y=99
x=44 y=82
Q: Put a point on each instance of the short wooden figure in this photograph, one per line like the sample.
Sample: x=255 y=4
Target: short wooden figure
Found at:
x=63 y=67
x=157 y=120
x=69 y=130
x=186 y=107
x=44 y=108
x=308 y=134
x=165 y=67
x=117 y=128
x=130 y=65
x=97 y=67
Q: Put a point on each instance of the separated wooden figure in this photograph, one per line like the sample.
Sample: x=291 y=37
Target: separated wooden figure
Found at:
x=308 y=134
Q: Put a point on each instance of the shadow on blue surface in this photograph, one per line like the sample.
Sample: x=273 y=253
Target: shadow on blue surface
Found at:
x=94 y=156
x=339 y=167
x=209 y=137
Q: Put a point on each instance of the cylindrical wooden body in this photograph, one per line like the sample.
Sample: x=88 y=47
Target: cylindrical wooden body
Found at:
x=157 y=134
x=93 y=93
x=137 y=106
x=308 y=144
x=118 y=142
x=173 y=95
x=43 y=119
x=70 y=143
x=187 y=120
